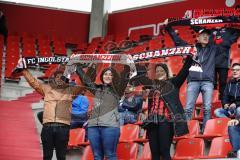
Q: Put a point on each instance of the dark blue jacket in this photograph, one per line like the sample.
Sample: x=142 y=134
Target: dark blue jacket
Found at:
x=228 y=37
x=232 y=92
x=205 y=56
x=135 y=105
x=225 y=37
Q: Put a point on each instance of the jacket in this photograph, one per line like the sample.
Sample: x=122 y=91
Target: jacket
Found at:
x=80 y=105
x=106 y=97
x=205 y=56
x=223 y=38
x=135 y=105
x=169 y=93
x=57 y=101
x=227 y=37
x=232 y=92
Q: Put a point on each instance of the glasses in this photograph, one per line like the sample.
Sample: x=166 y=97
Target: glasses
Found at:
x=235 y=70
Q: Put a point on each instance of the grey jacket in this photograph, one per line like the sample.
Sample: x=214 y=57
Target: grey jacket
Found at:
x=106 y=97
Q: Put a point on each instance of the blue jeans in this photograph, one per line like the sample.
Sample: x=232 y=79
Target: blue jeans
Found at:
x=127 y=117
x=103 y=141
x=193 y=90
x=234 y=136
x=220 y=112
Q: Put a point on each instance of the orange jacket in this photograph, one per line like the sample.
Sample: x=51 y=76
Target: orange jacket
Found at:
x=57 y=101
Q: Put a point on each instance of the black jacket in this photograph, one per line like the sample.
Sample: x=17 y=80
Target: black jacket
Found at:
x=169 y=92
x=223 y=38
x=205 y=56
x=232 y=92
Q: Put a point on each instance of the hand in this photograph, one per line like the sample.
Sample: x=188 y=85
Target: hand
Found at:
x=21 y=63
x=72 y=56
x=226 y=106
x=233 y=122
x=165 y=22
x=233 y=106
x=194 y=52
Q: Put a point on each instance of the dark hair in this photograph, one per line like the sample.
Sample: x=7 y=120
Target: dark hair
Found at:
x=57 y=72
x=164 y=66
x=114 y=74
x=235 y=64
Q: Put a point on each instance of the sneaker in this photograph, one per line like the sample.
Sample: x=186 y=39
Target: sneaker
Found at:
x=232 y=154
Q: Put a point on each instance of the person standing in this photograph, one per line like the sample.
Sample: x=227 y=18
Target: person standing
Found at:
x=103 y=123
x=165 y=111
x=199 y=80
x=58 y=97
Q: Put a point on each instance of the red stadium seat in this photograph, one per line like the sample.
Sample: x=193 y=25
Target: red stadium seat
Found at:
x=146 y=152
x=192 y=148
x=127 y=151
x=121 y=37
x=220 y=147
x=139 y=49
x=135 y=36
x=215 y=128
x=129 y=133
x=77 y=138
x=155 y=44
x=59 y=48
x=87 y=154
x=142 y=139
x=175 y=64
x=168 y=41
x=194 y=130
x=29 y=49
x=48 y=72
x=81 y=47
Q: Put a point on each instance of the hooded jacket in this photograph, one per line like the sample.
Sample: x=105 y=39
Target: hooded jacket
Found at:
x=57 y=100
x=106 y=97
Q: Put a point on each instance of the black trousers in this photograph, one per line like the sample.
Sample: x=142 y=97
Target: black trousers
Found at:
x=221 y=75
x=55 y=137
x=160 y=140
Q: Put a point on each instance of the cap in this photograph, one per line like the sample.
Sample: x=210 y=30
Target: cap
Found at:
x=205 y=31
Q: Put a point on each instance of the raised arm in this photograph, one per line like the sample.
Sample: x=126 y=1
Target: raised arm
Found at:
x=33 y=82
x=232 y=37
x=88 y=78
x=121 y=83
x=177 y=40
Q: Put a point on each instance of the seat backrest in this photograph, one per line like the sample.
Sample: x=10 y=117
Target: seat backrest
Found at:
x=194 y=128
x=129 y=132
x=146 y=153
x=192 y=147
x=127 y=151
x=76 y=136
x=220 y=146
x=216 y=127
x=87 y=154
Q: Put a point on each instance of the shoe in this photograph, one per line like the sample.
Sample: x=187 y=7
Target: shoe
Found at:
x=232 y=154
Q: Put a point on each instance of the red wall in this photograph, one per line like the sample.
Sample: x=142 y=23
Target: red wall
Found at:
x=120 y=22
x=67 y=25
